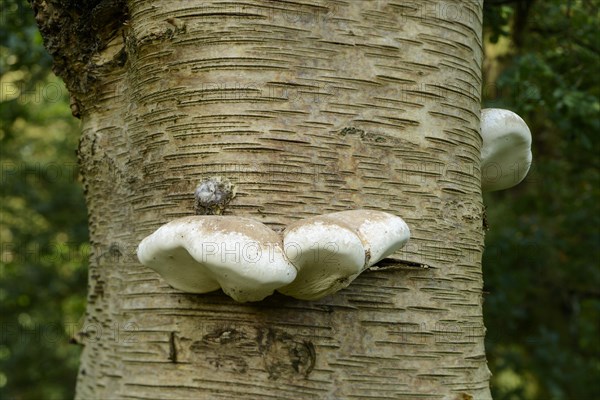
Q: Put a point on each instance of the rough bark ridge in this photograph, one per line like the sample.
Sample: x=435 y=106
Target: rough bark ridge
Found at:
x=307 y=107
x=74 y=32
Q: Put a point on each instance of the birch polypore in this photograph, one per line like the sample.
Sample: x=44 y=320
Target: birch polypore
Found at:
x=331 y=250
x=247 y=260
x=381 y=233
x=506 y=151
x=204 y=253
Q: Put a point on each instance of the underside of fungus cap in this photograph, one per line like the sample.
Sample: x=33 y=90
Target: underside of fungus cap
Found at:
x=199 y=254
x=506 y=151
x=328 y=256
x=331 y=250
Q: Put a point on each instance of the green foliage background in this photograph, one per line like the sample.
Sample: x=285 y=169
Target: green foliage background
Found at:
x=542 y=258
x=43 y=231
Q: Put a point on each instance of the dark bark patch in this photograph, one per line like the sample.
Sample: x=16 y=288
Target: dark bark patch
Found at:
x=283 y=356
x=364 y=136
x=74 y=31
x=96 y=286
x=230 y=363
x=352 y=131
x=228 y=349
x=223 y=336
x=172 y=348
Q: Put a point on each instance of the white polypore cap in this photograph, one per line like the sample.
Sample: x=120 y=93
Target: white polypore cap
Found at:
x=506 y=150
x=328 y=257
x=331 y=250
x=202 y=253
x=381 y=233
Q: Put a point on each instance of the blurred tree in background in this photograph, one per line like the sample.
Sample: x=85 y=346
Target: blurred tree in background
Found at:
x=542 y=258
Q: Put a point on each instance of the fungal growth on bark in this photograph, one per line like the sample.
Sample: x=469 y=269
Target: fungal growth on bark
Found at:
x=506 y=151
x=200 y=254
x=331 y=250
x=315 y=257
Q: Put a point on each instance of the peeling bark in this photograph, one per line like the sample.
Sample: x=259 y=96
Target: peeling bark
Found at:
x=307 y=108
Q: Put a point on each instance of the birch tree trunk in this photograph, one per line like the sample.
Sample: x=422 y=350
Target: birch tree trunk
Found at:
x=308 y=107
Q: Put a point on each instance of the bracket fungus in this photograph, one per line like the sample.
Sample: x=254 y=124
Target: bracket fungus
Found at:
x=316 y=256
x=204 y=253
x=331 y=250
x=506 y=150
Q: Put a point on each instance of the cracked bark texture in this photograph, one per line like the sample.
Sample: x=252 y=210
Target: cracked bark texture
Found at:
x=307 y=107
